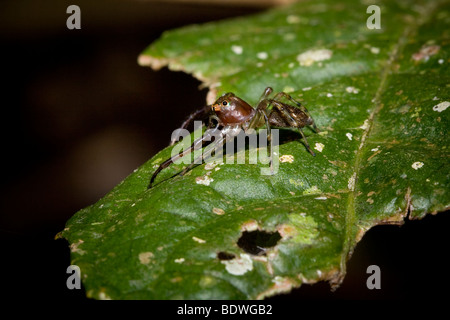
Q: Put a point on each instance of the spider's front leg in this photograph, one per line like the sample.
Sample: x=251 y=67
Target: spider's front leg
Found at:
x=257 y=121
x=200 y=114
x=219 y=141
x=198 y=143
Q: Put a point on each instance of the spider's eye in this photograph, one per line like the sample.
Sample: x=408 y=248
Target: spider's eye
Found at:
x=224 y=103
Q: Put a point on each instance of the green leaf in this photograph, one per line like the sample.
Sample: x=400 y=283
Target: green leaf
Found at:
x=380 y=99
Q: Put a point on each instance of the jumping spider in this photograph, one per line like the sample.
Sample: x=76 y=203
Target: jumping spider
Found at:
x=233 y=114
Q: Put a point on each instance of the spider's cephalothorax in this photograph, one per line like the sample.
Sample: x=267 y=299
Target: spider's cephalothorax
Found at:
x=230 y=110
x=234 y=114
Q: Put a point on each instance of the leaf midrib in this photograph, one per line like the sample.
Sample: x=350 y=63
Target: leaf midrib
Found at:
x=378 y=105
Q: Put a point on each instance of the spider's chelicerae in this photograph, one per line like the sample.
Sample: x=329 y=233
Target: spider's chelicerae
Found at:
x=234 y=114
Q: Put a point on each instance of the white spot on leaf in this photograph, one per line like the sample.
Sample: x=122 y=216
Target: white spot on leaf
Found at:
x=349 y=135
x=198 y=240
x=441 y=106
x=218 y=211
x=417 y=165
x=205 y=180
x=210 y=165
x=352 y=182
x=262 y=55
x=250 y=225
x=375 y=50
x=103 y=296
x=307 y=58
x=352 y=90
x=319 y=146
x=180 y=260
x=237 y=49
x=365 y=125
x=239 y=266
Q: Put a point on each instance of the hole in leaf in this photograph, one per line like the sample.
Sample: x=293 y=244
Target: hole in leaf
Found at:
x=257 y=242
x=225 y=256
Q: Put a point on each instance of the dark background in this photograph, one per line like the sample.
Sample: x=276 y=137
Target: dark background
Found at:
x=79 y=115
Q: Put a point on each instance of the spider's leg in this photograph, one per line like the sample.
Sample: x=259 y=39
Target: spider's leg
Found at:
x=285 y=114
x=306 y=142
x=216 y=144
x=261 y=111
x=171 y=160
x=265 y=94
x=254 y=122
x=261 y=108
x=163 y=165
x=200 y=114
x=195 y=145
x=299 y=105
x=269 y=139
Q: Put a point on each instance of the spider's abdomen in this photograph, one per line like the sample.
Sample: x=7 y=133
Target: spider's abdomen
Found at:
x=276 y=119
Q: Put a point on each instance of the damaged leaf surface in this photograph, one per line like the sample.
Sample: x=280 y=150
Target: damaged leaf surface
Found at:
x=380 y=98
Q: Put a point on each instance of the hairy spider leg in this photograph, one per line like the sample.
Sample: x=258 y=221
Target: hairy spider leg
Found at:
x=291 y=122
x=198 y=143
x=217 y=143
x=298 y=104
x=199 y=114
x=256 y=120
x=269 y=136
x=261 y=111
